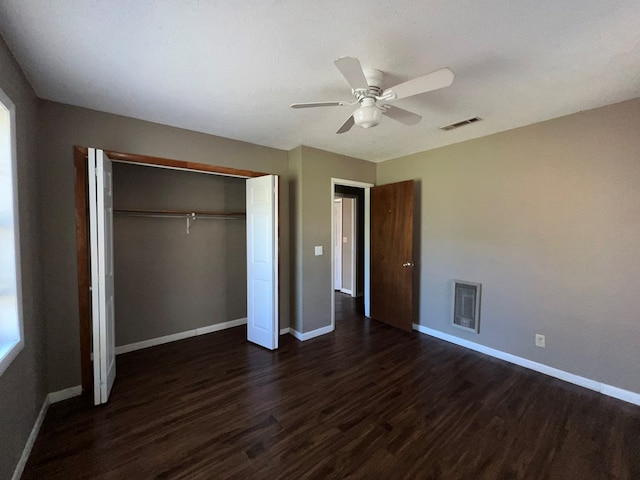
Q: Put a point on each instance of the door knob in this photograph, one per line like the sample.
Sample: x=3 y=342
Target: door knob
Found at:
x=407 y=264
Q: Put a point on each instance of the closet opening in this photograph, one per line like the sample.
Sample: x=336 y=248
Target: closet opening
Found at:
x=179 y=241
x=179 y=250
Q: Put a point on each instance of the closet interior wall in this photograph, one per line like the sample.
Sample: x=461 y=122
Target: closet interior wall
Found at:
x=168 y=281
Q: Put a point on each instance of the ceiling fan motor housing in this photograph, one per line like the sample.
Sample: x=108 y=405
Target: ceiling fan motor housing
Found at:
x=374 y=78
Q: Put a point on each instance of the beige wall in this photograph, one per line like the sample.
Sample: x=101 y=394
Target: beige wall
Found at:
x=547 y=218
x=23 y=384
x=313 y=211
x=64 y=126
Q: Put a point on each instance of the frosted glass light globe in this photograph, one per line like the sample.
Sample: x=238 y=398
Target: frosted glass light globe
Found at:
x=367 y=116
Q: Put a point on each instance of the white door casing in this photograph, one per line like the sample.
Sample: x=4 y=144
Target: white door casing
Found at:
x=262 y=261
x=102 y=292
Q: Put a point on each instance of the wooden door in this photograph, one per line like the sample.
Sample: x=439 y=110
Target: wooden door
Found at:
x=262 y=261
x=392 y=254
x=102 y=298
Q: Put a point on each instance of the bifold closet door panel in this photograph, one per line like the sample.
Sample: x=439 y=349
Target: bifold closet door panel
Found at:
x=262 y=261
x=100 y=199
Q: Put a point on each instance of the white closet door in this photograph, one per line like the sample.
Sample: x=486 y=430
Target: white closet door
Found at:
x=262 y=261
x=102 y=304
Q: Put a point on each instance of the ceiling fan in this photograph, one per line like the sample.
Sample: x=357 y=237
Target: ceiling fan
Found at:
x=366 y=87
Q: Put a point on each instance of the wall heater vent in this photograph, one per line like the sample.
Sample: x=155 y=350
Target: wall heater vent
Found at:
x=462 y=123
x=466 y=305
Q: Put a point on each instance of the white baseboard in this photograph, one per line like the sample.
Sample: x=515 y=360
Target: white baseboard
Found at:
x=26 y=451
x=51 y=398
x=312 y=334
x=620 y=393
x=67 y=393
x=611 y=391
x=347 y=291
x=180 y=336
x=221 y=326
x=284 y=331
x=295 y=333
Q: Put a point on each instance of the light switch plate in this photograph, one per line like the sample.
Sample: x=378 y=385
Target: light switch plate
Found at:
x=345 y=239
x=318 y=250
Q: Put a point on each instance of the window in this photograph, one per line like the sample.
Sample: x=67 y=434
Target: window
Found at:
x=11 y=335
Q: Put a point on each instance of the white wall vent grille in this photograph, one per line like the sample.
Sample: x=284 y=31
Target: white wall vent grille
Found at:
x=466 y=305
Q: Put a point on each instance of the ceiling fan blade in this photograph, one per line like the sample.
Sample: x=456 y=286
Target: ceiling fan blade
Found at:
x=431 y=81
x=352 y=72
x=346 y=126
x=318 y=104
x=401 y=115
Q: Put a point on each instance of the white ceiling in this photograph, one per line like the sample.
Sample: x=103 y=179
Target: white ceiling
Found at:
x=232 y=68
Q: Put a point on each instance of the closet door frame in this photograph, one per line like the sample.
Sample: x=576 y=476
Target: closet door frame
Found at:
x=82 y=235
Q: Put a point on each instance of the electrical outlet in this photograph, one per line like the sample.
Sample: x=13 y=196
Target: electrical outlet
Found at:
x=540 y=340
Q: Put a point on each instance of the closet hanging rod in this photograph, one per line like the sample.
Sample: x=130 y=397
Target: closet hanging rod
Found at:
x=178 y=213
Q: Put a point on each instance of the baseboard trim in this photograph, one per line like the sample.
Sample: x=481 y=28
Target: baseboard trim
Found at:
x=284 y=331
x=312 y=334
x=347 y=291
x=67 y=393
x=295 y=333
x=131 y=347
x=221 y=326
x=609 y=390
x=26 y=451
x=620 y=393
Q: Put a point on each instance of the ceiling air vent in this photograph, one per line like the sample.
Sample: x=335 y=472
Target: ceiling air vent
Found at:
x=453 y=126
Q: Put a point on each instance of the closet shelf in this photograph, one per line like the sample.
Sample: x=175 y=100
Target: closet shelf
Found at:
x=178 y=213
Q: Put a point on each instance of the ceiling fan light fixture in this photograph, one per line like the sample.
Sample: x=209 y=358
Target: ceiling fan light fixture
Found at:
x=367 y=116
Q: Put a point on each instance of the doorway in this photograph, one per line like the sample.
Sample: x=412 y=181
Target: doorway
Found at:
x=356 y=194
x=348 y=232
x=337 y=243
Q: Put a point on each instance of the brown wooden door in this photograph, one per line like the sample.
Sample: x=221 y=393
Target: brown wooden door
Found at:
x=392 y=254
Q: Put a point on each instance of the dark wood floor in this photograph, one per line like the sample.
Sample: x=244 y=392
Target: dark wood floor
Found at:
x=364 y=402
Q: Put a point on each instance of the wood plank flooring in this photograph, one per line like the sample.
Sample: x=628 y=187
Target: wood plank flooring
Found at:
x=366 y=402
